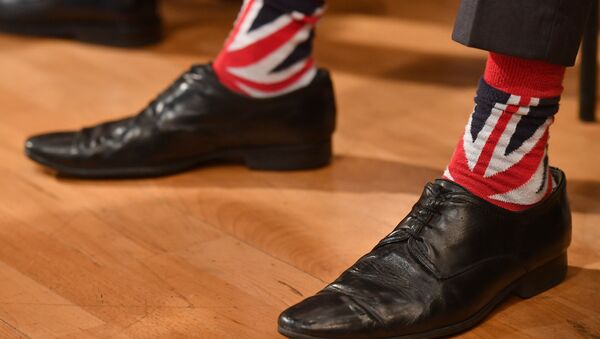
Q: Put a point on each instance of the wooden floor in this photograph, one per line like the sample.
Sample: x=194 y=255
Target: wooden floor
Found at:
x=219 y=252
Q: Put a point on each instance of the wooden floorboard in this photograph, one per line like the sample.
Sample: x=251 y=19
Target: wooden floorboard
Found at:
x=218 y=252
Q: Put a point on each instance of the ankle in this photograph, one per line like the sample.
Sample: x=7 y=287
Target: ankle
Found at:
x=503 y=155
x=269 y=51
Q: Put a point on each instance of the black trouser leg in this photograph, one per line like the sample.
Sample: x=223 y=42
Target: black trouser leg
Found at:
x=589 y=67
x=548 y=30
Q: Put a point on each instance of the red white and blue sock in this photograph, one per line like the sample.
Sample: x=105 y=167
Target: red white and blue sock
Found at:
x=269 y=51
x=503 y=155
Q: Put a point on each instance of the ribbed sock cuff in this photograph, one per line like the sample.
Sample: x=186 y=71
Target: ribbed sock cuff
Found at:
x=531 y=78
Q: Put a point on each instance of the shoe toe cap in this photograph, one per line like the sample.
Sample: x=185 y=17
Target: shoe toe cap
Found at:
x=326 y=315
x=50 y=147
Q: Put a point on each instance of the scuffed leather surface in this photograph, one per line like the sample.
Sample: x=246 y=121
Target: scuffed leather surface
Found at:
x=443 y=263
x=196 y=115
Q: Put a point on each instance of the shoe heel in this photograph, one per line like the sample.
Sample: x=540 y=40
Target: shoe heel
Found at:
x=542 y=278
x=287 y=158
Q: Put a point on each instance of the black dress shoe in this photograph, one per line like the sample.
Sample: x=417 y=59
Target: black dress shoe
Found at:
x=197 y=120
x=111 y=22
x=442 y=270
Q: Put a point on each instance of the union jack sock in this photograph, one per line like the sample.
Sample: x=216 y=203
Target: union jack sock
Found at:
x=503 y=155
x=269 y=51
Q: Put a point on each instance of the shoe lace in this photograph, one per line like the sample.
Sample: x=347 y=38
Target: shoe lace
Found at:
x=419 y=218
x=180 y=86
x=115 y=131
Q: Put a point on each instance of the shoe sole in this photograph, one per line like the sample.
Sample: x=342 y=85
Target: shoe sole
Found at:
x=268 y=158
x=118 y=34
x=531 y=284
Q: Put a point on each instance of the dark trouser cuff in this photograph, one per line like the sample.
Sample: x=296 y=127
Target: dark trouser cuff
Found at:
x=547 y=30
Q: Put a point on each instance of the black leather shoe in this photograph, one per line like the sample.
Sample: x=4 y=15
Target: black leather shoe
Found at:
x=111 y=22
x=442 y=270
x=197 y=120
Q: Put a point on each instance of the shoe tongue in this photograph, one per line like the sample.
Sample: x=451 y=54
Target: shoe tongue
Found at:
x=201 y=69
x=449 y=186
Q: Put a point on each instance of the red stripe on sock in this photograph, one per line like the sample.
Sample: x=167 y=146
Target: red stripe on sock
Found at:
x=521 y=172
x=276 y=87
x=501 y=183
x=490 y=145
x=460 y=174
x=262 y=48
x=238 y=24
x=524 y=101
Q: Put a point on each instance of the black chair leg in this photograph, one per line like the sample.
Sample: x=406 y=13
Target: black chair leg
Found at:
x=589 y=67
